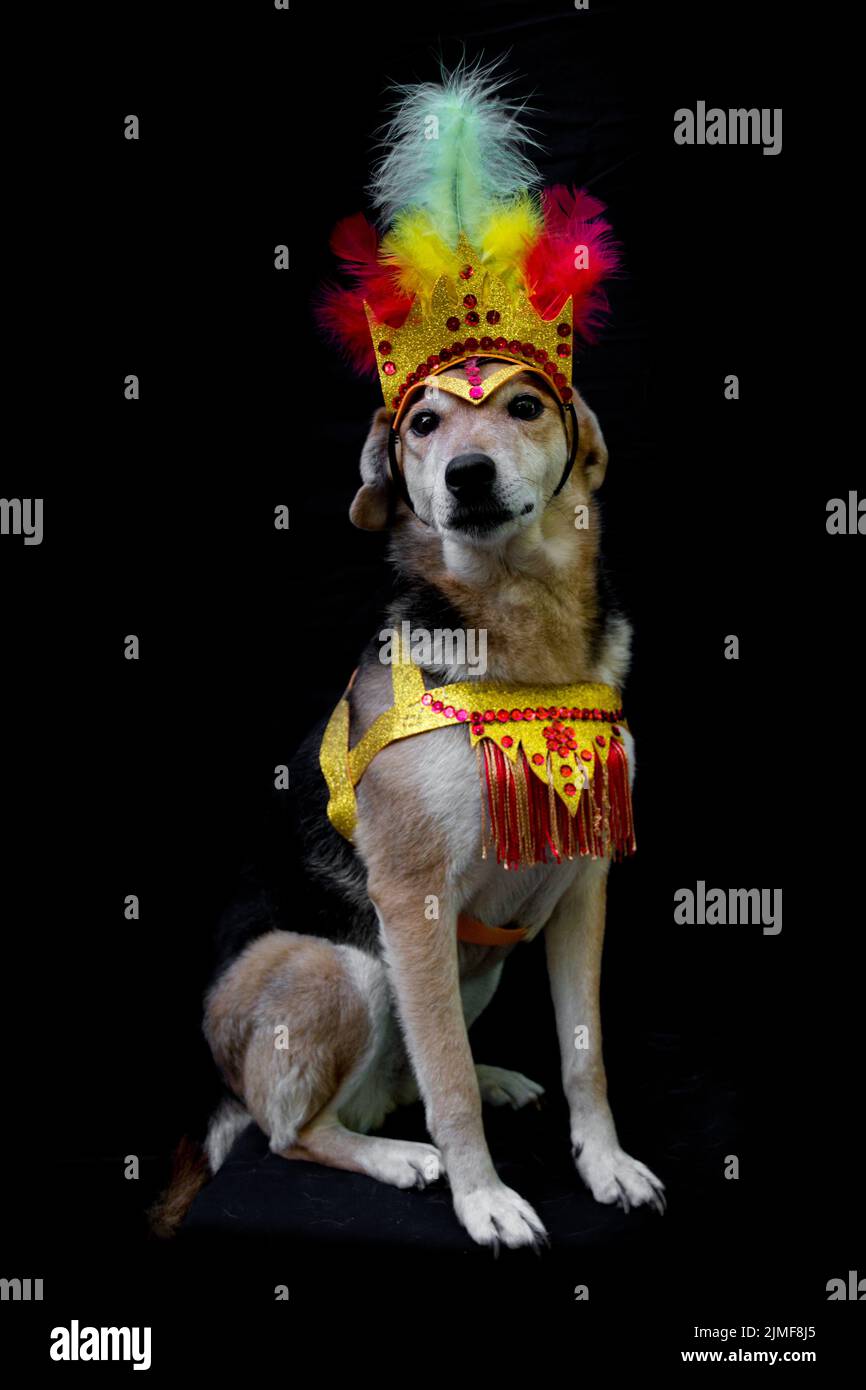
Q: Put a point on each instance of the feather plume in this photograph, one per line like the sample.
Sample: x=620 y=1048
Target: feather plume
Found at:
x=340 y=316
x=416 y=254
x=339 y=311
x=355 y=242
x=507 y=235
x=453 y=150
x=571 y=219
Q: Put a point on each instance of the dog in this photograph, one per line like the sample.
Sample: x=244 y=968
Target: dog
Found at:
x=374 y=996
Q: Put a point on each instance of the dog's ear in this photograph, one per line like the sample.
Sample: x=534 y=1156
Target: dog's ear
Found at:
x=592 y=450
x=372 y=504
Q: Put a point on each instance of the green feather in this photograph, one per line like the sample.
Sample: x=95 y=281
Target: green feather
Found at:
x=454 y=149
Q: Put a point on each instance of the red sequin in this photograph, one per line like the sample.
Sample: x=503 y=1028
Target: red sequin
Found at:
x=385 y=347
x=564 y=330
x=507 y=741
x=389 y=369
x=563 y=350
x=469 y=301
x=467 y=272
x=538 y=759
x=493 y=316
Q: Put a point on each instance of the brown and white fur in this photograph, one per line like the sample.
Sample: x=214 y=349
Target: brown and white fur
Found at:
x=378 y=1020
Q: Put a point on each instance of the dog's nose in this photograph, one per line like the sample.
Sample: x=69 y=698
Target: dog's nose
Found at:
x=470 y=476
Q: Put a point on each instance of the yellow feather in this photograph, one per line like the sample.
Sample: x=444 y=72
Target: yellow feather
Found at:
x=507 y=234
x=417 y=253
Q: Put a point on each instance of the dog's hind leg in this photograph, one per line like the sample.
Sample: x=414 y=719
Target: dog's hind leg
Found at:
x=401 y=1163
x=498 y=1085
x=302 y=1030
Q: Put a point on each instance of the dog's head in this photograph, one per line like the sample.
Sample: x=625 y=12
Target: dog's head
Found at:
x=479 y=474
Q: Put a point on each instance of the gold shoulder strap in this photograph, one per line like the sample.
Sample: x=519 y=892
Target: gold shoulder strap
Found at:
x=344 y=767
x=407 y=678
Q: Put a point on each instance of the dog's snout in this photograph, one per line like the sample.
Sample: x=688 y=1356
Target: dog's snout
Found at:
x=469 y=477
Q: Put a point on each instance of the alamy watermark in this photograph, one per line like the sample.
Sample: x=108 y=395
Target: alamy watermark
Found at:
x=21 y=1290
x=740 y=126
x=443 y=646
x=732 y=907
x=22 y=516
x=76 y=1343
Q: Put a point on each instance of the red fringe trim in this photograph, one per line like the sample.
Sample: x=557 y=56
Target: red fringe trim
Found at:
x=528 y=823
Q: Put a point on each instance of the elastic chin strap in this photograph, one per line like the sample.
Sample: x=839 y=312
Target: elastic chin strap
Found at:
x=400 y=482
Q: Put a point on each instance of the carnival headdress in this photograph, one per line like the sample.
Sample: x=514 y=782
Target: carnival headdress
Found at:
x=474 y=260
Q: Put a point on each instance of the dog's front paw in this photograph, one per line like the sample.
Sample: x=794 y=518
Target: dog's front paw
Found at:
x=614 y=1176
x=501 y=1087
x=497 y=1215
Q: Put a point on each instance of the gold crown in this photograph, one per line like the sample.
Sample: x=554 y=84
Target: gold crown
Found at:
x=479 y=316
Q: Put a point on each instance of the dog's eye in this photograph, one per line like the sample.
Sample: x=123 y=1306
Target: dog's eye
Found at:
x=425 y=422
x=525 y=407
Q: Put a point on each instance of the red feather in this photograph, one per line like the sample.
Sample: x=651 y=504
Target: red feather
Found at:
x=340 y=315
x=571 y=219
x=355 y=242
x=340 y=312
x=561 y=205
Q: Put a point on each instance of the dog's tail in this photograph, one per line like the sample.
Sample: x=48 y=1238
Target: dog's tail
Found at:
x=193 y=1164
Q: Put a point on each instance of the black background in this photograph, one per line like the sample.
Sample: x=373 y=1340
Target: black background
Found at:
x=150 y=777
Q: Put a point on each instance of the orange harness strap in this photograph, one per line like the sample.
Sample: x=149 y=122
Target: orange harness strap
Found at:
x=479 y=934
